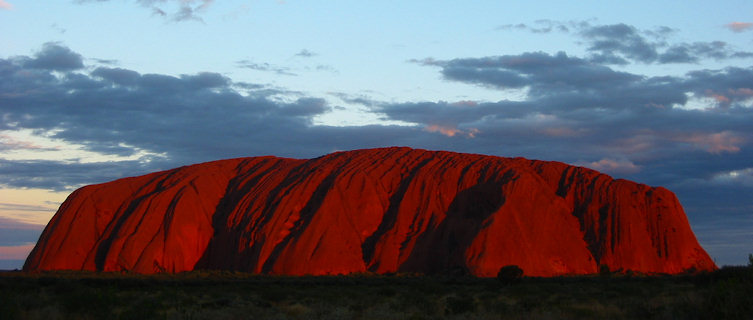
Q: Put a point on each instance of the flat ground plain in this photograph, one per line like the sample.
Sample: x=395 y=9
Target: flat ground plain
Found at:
x=724 y=294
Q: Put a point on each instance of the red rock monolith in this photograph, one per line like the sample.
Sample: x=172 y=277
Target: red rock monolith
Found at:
x=380 y=210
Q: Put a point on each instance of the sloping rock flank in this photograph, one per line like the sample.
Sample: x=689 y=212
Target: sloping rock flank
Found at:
x=379 y=210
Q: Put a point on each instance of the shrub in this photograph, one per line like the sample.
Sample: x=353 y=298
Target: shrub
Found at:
x=509 y=274
x=604 y=270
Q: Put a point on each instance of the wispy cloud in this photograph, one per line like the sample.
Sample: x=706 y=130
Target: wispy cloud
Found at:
x=739 y=26
x=179 y=10
x=5 y=5
x=719 y=142
x=545 y=26
x=305 y=54
x=23 y=207
x=15 y=252
x=57 y=28
x=17 y=238
x=742 y=176
x=613 y=166
x=10 y=223
x=266 y=67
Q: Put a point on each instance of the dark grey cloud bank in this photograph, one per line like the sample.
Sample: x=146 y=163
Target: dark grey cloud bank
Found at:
x=574 y=109
x=178 y=120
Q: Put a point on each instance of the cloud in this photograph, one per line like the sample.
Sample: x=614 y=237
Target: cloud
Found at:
x=447 y=115
x=110 y=62
x=621 y=166
x=325 y=67
x=10 y=143
x=54 y=56
x=5 y=5
x=719 y=142
x=568 y=83
x=565 y=84
x=360 y=99
x=305 y=54
x=160 y=121
x=451 y=132
x=185 y=13
x=610 y=40
x=545 y=26
x=180 y=10
x=621 y=44
x=17 y=238
x=729 y=86
x=120 y=111
x=57 y=28
x=694 y=52
x=739 y=176
x=265 y=67
x=9 y=223
x=739 y=26
x=66 y=175
x=21 y=207
x=15 y=252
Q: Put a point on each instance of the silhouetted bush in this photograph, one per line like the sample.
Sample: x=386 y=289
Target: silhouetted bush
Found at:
x=604 y=270
x=509 y=274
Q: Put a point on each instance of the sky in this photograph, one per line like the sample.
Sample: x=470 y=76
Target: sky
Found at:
x=660 y=93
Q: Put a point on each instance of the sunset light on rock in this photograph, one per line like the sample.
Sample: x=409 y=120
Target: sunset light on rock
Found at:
x=380 y=210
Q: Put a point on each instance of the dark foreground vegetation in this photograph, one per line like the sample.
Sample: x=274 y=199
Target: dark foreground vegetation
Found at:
x=725 y=294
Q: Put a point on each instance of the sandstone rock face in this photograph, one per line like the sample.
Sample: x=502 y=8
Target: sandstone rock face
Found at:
x=379 y=210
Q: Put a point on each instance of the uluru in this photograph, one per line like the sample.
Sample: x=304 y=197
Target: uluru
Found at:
x=376 y=210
